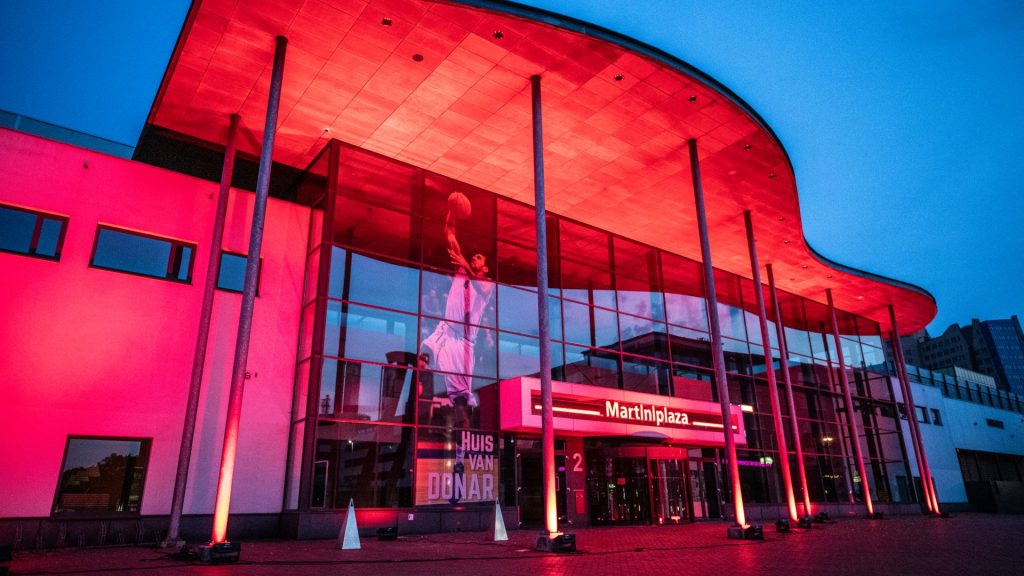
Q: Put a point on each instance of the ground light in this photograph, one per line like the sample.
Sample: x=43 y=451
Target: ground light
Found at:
x=220 y=553
x=746 y=532
x=556 y=542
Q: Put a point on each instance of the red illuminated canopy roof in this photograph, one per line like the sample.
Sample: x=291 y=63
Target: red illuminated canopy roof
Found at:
x=445 y=86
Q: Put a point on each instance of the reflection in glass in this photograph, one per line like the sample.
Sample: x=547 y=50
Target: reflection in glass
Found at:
x=441 y=289
x=518 y=356
x=479 y=359
x=645 y=375
x=590 y=366
x=361 y=333
x=732 y=321
x=517 y=312
x=368 y=463
x=685 y=310
x=590 y=326
x=127 y=251
x=102 y=475
x=645 y=304
x=358 y=391
x=632 y=318
x=644 y=337
x=360 y=225
x=374 y=281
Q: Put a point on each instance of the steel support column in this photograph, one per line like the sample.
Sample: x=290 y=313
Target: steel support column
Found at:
x=773 y=390
x=547 y=414
x=851 y=419
x=202 y=336
x=238 y=372
x=717 y=356
x=931 y=500
x=794 y=426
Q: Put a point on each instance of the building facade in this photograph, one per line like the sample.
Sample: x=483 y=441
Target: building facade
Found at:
x=395 y=349
x=974 y=437
x=991 y=347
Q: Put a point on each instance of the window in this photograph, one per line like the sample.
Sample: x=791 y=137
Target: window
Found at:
x=32 y=233
x=231 y=273
x=137 y=253
x=994 y=423
x=936 y=417
x=102 y=476
x=922 y=414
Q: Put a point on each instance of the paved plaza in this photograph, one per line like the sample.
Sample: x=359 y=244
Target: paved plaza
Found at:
x=963 y=544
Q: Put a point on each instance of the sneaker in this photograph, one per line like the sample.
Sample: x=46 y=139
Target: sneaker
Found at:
x=458 y=470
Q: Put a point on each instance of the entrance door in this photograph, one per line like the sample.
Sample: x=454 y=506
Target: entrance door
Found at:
x=531 y=486
x=618 y=486
x=698 y=494
x=669 y=490
x=643 y=485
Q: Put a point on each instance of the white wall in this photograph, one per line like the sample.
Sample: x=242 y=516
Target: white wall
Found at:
x=963 y=427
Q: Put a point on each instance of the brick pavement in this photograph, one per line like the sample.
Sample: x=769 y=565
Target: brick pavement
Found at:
x=965 y=544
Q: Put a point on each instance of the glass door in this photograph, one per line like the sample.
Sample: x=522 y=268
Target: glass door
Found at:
x=530 y=485
x=618 y=486
x=670 y=495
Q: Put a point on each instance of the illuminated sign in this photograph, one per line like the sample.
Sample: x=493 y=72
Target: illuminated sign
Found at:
x=629 y=412
x=583 y=410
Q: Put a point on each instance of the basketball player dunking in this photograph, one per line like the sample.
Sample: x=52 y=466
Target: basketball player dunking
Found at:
x=452 y=342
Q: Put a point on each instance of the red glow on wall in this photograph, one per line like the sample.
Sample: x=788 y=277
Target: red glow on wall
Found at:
x=611 y=152
x=87 y=351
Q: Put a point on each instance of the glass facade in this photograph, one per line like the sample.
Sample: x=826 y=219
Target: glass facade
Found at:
x=391 y=414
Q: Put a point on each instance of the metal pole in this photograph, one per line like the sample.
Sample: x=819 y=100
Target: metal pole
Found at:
x=923 y=498
x=547 y=414
x=851 y=420
x=238 y=373
x=905 y=452
x=773 y=390
x=931 y=499
x=717 y=355
x=910 y=410
x=794 y=426
x=202 y=337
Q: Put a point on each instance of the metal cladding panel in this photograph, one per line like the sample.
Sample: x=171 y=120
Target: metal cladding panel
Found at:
x=445 y=86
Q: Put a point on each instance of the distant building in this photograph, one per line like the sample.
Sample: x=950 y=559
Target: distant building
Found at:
x=969 y=376
x=991 y=347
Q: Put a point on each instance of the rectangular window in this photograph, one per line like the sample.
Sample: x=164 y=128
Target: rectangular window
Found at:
x=231 y=274
x=102 y=476
x=141 y=254
x=922 y=414
x=32 y=233
x=936 y=417
x=994 y=423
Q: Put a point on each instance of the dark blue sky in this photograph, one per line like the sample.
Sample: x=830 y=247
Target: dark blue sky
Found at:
x=904 y=120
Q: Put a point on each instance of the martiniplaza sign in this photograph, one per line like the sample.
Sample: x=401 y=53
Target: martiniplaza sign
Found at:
x=583 y=410
x=645 y=413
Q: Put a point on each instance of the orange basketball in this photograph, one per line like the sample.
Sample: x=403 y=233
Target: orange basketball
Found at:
x=459 y=205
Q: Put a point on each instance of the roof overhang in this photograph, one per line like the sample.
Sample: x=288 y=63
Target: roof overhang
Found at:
x=445 y=86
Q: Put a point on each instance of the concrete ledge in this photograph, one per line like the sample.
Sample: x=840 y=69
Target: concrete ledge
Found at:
x=40 y=533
